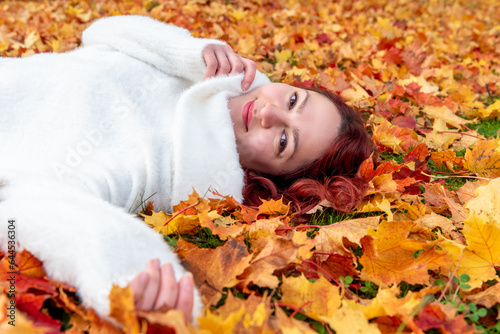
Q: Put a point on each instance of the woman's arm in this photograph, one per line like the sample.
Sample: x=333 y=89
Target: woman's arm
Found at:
x=169 y=48
x=90 y=244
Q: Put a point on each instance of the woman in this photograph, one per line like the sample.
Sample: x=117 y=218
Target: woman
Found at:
x=129 y=116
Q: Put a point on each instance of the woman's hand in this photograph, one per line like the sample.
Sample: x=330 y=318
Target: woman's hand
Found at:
x=156 y=287
x=221 y=59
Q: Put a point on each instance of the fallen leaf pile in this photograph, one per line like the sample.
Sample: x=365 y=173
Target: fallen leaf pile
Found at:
x=421 y=254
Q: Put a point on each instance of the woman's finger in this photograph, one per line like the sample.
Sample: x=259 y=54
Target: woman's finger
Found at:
x=250 y=70
x=185 y=300
x=211 y=61
x=223 y=64
x=151 y=291
x=236 y=62
x=138 y=286
x=167 y=296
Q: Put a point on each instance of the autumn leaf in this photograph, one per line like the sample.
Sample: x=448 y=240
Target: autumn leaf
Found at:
x=397 y=139
x=482 y=253
x=377 y=203
x=273 y=208
x=330 y=238
x=317 y=300
x=387 y=302
x=488 y=297
x=367 y=168
x=487 y=201
x=389 y=257
x=272 y=254
x=122 y=308
x=347 y=320
x=216 y=267
x=484 y=158
x=248 y=315
x=435 y=316
x=447 y=158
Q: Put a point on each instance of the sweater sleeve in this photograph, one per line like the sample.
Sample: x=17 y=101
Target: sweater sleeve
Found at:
x=83 y=241
x=171 y=49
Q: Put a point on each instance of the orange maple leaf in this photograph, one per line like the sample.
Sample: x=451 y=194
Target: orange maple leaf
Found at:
x=389 y=257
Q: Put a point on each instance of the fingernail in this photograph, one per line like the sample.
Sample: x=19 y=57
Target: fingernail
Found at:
x=245 y=86
x=167 y=267
x=156 y=263
x=189 y=280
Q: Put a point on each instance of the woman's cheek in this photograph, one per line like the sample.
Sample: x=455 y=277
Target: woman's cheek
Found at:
x=256 y=149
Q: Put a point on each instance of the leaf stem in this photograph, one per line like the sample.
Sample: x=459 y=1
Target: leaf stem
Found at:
x=296 y=227
x=450 y=279
x=299 y=308
x=461 y=133
x=456 y=173
x=183 y=210
x=450 y=204
x=459 y=176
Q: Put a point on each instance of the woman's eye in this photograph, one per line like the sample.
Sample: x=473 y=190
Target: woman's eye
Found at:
x=283 y=142
x=293 y=100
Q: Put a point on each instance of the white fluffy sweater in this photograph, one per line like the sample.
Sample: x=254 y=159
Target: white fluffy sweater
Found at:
x=89 y=133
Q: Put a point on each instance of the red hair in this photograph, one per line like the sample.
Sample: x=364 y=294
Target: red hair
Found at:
x=331 y=178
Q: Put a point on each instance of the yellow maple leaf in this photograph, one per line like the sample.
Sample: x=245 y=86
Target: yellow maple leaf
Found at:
x=347 y=320
x=377 y=203
x=382 y=184
x=316 y=299
x=493 y=110
x=283 y=55
x=387 y=302
x=219 y=324
x=484 y=159
x=445 y=114
x=246 y=45
x=172 y=319
x=252 y=314
x=274 y=208
x=440 y=138
x=482 y=254
x=168 y=224
x=122 y=308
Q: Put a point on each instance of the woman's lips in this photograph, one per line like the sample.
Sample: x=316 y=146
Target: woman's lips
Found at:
x=247 y=113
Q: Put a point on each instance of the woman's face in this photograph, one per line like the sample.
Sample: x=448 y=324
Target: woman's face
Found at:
x=281 y=128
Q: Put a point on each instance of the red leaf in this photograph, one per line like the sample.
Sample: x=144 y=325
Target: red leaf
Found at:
x=31 y=305
x=323 y=38
x=433 y=316
x=419 y=152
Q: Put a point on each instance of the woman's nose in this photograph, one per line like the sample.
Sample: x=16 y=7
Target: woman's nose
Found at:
x=271 y=115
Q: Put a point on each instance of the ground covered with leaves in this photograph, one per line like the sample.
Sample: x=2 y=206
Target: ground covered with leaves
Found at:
x=419 y=255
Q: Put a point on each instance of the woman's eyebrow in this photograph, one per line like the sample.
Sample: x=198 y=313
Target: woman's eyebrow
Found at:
x=295 y=130
x=304 y=102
